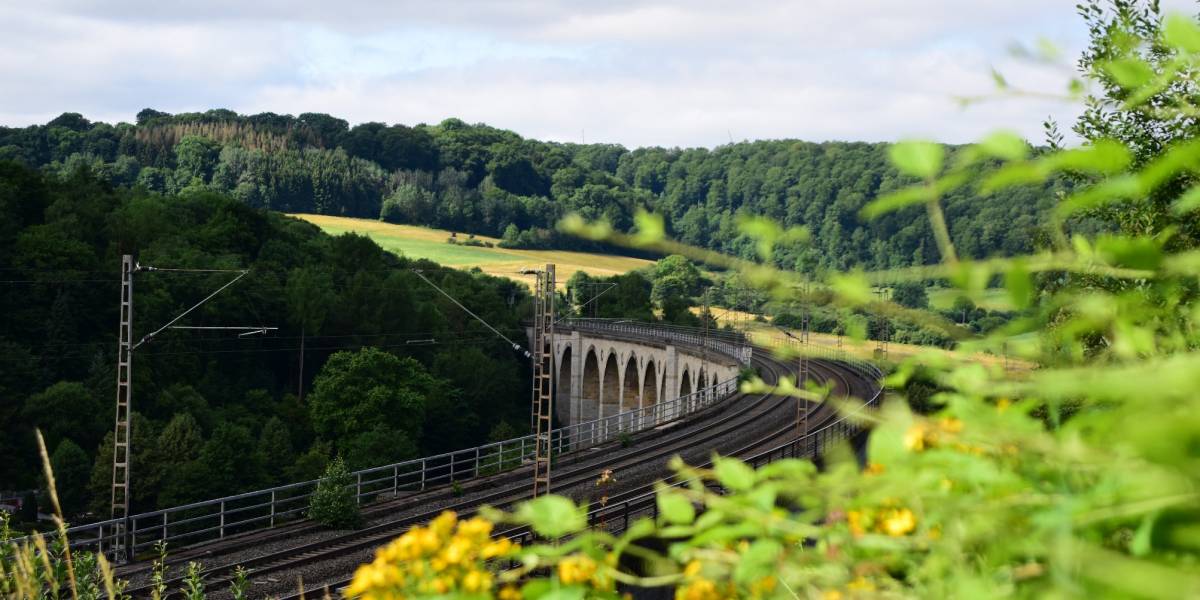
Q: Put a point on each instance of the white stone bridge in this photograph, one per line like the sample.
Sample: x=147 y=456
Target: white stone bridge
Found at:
x=609 y=367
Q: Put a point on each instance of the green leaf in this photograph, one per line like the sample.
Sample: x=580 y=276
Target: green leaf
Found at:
x=789 y=468
x=917 y=158
x=1102 y=157
x=762 y=229
x=1006 y=145
x=762 y=497
x=734 y=474
x=1019 y=284
x=896 y=200
x=1130 y=73
x=1182 y=32
x=1130 y=252
x=852 y=286
x=553 y=516
x=675 y=508
x=650 y=227
x=1189 y=201
x=545 y=589
x=757 y=561
x=1000 y=81
x=1141 y=544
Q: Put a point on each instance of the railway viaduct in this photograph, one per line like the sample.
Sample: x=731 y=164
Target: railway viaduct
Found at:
x=604 y=369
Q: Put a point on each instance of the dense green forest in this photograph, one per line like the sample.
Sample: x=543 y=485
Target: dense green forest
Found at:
x=217 y=413
x=481 y=179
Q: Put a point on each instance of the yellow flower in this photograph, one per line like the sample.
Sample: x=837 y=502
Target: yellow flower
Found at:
x=477 y=581
x=692 y=569
x=477 y=528
x=456 y=551
x=855 y=520
x=576 y=569
x=444 y=523
x=442 y=585
x=914 y=438
x=950 y=425
x=496 y=548
x=1003 y=404
x=763 y=586
x=873 y=468
x=701 y=589
x=831 y=595
x=860 y=584
x=509 y=592
x=898 y=521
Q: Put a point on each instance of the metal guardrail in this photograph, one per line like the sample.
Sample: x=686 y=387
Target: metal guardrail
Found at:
x=221 y=517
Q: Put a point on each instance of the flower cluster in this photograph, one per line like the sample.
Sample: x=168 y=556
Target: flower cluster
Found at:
x=895 y=522
x=446 y=556
x=924 y=435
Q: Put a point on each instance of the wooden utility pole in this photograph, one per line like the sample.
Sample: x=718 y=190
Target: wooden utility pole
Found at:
x=543 y=379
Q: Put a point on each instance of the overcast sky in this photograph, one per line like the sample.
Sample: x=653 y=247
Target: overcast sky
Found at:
x=669 y=73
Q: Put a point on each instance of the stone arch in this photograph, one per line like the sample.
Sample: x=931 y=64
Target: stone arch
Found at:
x=562 y=389
x=685 y=383
x=610 y=386
x=629 y=385
x=590 y=390
x=702 y=381
x=650 y=384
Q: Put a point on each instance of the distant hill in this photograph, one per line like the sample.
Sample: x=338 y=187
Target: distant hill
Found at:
x=488 y=181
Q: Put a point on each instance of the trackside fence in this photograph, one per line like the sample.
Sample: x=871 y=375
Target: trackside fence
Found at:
x=222 y=517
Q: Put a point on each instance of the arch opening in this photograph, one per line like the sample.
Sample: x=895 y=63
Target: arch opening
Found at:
x=589 y=405
x=562 y=387
x=630 y=387
x=610 y=387
x=685 y=383
x=650 y=385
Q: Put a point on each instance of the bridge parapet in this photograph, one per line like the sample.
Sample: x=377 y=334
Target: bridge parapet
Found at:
x=607 y=367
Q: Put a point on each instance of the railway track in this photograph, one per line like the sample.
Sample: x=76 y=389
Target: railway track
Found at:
x=624 y=506
x=581 y=468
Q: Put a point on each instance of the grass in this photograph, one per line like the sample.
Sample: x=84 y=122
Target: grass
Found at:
x=993 y=299
x=765 y=334
x=424 y=242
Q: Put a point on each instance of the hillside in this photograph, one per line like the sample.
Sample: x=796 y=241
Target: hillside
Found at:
x=217 y=413
x=428 y=243
x=492 y=182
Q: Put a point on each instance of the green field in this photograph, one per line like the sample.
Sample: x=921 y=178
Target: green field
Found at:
x=423 y=242
x=993 y=299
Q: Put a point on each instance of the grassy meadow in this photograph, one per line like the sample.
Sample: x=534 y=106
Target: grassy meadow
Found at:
x=423 y=242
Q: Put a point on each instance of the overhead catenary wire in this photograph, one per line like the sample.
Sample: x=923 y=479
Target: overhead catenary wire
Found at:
x=183 y=314
x=515 y=345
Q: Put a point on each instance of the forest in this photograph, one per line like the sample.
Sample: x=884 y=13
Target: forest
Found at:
x=215 y=413
x=480 y=179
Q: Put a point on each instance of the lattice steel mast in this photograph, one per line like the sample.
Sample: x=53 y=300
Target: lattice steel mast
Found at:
x=122 y=481
x=121 y=428
x=543 y=378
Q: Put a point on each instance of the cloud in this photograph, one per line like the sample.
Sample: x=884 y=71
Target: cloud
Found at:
x=638 y=73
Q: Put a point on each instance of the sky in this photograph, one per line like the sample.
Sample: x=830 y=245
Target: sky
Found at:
x=653 y=73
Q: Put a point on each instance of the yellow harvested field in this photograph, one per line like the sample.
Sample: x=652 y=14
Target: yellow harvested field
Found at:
x=766 y=334
x=423 y=242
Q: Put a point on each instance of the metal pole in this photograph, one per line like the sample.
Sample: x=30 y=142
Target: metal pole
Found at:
x=122 y=467
x=543 y=379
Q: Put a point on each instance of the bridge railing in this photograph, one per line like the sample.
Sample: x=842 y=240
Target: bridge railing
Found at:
x=222 y=517
x=731 y=343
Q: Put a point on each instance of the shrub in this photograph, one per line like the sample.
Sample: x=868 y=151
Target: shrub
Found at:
x=333 y=502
